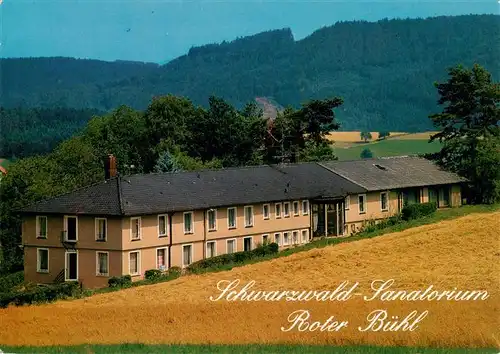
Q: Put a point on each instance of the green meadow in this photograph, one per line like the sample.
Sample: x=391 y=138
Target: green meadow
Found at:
x=389 y=147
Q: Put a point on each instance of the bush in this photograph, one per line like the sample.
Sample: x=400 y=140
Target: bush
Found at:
x=153 y=274
x=10 y=281
x=414 y=211
x=39 y=294
x=120 y=282
x=238 y=257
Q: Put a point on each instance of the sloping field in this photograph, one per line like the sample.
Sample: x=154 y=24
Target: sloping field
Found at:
x=355 y=136
x=462 y=253
x=390 y=147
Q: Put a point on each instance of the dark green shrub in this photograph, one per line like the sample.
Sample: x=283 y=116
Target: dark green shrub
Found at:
x=153 y=274
x=174 y=271
x=10 y=281
x=120 y=282
x=39 y=294
x=415 y=211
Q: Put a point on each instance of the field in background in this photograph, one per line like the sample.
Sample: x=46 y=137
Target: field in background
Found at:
x=348 y=145
x=459 y=253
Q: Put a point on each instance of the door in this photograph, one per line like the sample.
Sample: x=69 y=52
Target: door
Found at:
x=71 y=228
x=71 y=266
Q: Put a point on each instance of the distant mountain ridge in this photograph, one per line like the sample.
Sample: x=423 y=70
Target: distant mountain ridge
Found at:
x=383 y=70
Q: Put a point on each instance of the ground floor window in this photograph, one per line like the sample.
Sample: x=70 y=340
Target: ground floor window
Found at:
x=277 y=238
x=102 y=263
x=42 y=260
x=161 y=258
x=187 y=255
x=265 y=239
x=231 y=246
x=295 y=237
x=305 y=236
x=286 y=238
x=247 y=244
x=134 y=263
x=211 y=250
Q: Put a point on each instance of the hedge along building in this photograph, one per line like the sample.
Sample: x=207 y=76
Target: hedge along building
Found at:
x=129 y=224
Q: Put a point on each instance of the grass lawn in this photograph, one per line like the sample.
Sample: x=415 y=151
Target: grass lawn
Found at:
x=389 y=147
x=233 y=349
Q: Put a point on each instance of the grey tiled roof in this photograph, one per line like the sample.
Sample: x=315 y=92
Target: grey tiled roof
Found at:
x=393 y=172
x=168 y=192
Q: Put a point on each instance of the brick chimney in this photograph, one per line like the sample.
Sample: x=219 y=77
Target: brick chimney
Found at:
x=110 y=166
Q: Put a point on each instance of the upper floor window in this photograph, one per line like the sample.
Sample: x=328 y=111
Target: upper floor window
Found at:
x=295 y=208
x=135 y=228
x=277 y=210
x=347 y=203
x=188 y=223
x=248 y=216
x=305 y=207
x=70 y=228
x=286 y=209
x=41 y=227
x=265 y=211
x=162 y=225
x=231 y=218
x=100 y=229
x=362 y=203
x=212 y=219
x=384 y=201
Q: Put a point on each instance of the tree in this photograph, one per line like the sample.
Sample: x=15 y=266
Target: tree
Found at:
x=366 y=136
x=167 y=162
x=366 y=154
x=383 y=134
x=469 y=129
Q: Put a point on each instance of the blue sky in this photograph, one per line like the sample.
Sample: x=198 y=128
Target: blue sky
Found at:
x=161 y=30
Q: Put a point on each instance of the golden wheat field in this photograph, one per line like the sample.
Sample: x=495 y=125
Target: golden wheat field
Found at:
x=463 y=253
x=355 y=136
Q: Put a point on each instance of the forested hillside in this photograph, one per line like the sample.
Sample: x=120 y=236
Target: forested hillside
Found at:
x=384 y=71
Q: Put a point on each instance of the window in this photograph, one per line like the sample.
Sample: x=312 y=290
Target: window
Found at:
x=286 y=209
x=134 y=261
x=347 y=203
x=295 y=237
x=248 y=216
x=162 y=225
x=295 y=208
x=211 y=249
x=286 y=238
x=212 y=219
x=305 y=207
x=231 y=218
x=277 y=210
x=135 y=228
x=247 y=244
x=100 y=229
x=41 y=227
x=265 y=211
x=277 y=238
x=188 y=222
x=362 y=203
x=231 y=246
x=305 y=236
x=70 y=228
x=187 y=255
x=42 y=260
x=265 y=239
x=102 y=260
x=383 y=201
x=161 y=258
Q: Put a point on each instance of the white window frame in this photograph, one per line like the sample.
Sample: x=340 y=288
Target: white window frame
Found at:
x=364 y=204
x=296 y=203
x=138 y=263
x=132 y=219
x=245 y=215
x=386 y=201
x=278 y=215
x=263 y=238
x=296 y=232
x=302 y=236
x=191 y=253
x=97 y=229
x=268 y=211
x=97 y=264
x=166 y=257
x=66 y=217
x=215 y=248
x=347 y=203
x=285 y=214
x=66 y=265
x=215 y=219
x=235 y=218
x=38 y=217
x=280 y=239
x=184 y=222
x=235 y=245
x=166 y=225
x=38 y=259
x=305 y=207
x=251 y=242
x=288 y=243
